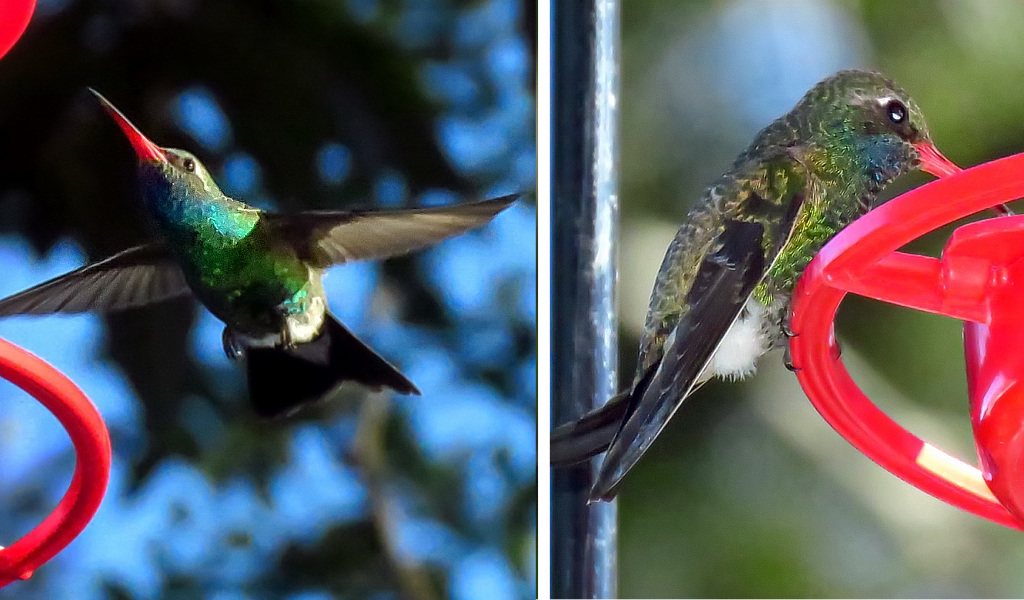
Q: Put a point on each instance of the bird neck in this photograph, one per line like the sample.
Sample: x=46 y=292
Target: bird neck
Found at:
x=861 y=165
x=184 y=213
x=849 y=173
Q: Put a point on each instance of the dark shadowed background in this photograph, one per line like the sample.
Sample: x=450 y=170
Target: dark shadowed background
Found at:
x=292 y=105
x=749 y=493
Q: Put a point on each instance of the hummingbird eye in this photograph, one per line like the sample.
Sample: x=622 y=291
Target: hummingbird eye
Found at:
x=189 y=164
x=896 y=111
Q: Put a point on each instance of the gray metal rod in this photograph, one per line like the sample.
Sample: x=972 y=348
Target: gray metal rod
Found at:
x=585 y=75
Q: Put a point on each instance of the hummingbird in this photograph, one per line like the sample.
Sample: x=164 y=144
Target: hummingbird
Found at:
x=721 y=298
x=259 y=272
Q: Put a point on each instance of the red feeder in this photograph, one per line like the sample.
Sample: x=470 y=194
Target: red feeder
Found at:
x=92 y=467
x=14 y=18
x=64 y=400
x=980 y=280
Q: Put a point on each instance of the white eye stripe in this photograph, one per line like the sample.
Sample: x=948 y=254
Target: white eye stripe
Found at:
x=182 y=161
x=895 y=108
x=897 y=112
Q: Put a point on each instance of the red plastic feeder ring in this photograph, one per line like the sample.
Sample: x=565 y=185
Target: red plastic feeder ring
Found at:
x=92 y=466
x=980 y=280
x=55 y=391
x=14 y=18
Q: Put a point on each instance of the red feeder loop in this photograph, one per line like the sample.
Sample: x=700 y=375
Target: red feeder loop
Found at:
x=92 y=466
x=14 y=18
x=68 y=403
x=980 y=280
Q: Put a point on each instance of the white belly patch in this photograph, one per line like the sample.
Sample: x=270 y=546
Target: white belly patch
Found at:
x=304 y=326
x=744 y=343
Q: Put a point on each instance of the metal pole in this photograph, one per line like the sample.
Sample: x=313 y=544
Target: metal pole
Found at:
x=584 y=208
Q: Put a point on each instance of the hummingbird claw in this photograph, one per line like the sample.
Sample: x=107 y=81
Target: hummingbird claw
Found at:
x=787 y=328
x=231 y=347
x=787 y=360
x=286 y=338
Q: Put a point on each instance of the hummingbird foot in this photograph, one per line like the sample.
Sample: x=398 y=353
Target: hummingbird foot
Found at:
x=287 y=340
x=232 y=348
x=787 y=360
x=787 y=327
x=298 y=327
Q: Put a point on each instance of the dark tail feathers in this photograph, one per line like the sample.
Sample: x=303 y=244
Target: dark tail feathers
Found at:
x=282 y=380
x=589 y=435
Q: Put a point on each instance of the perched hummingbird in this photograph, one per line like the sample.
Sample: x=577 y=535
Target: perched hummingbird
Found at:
x=721 y=298
x=259 y=272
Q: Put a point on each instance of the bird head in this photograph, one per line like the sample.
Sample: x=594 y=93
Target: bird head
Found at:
x=866 y=115
x=180 y=172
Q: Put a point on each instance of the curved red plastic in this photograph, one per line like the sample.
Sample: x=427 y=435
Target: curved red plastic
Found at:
x=979 y=279
x=92 y=467
x=14 y=18
x=55 y=391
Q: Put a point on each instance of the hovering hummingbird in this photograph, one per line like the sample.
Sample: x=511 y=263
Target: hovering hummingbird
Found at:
x=721 y=298
x=259 y=272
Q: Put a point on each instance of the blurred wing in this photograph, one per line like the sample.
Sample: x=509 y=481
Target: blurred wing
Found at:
x=725 y=279
x=134 y=277
x=332 y=237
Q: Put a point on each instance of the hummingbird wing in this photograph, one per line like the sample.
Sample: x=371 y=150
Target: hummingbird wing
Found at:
x=134 y=277
x=757 y=218
x=326 y=238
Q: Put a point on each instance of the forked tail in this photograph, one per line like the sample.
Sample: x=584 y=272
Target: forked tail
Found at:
x=589 y=435
x=281 y=380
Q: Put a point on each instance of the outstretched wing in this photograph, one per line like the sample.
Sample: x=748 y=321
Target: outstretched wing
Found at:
x=134 y=277
x=332 y=237
x=760 y=211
